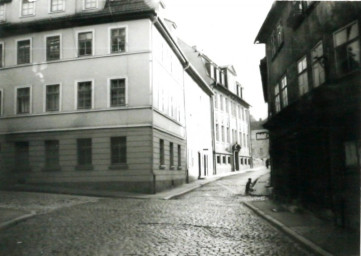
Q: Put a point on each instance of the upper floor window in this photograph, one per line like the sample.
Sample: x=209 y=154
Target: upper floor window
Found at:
x=57 y=5
x=52 y=97
x=302 y=76
x=27 y=7
x=227 y=105
x=347 y=49
x=85 y=95
x=318 y=65
x=90 y=4
x=221 y=102
x=2 y=12
x=217 y=132
x=277 y=98
x=23 y=51
x=276 y=38
x=85 y=44
x=117 y=92
x=216 y=100
x=1 y=55
x=23 y=100
x=118 y=37
x=284 y=91
x=52 y=48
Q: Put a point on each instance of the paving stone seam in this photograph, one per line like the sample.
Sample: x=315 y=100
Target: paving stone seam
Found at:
x=309 y=244
x=12 y=222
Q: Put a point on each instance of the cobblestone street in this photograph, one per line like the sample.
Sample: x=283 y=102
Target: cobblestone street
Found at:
x=208 y=221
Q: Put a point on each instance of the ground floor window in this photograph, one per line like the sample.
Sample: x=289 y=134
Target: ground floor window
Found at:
x=218 y=159
x=118 y=150
x=224 y=159
x=22 y=155
x=51 y=154
x=84 y=150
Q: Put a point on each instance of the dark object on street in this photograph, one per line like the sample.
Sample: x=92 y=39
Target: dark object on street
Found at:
x=248 y=186
x=267 y=163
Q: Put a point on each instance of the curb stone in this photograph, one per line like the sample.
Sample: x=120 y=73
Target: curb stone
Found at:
x=307 y=243
x=12 y=222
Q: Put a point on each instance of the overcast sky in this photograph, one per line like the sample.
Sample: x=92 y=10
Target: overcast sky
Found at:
x=225 y=31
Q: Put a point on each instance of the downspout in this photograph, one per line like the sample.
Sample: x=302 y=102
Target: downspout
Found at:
x=185 y=123
x=213 y=139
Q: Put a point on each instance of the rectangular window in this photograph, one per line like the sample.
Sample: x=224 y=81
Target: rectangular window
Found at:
x=22 y=155
x=171 y=154
x=284 y=91
x=1 y=55
x=277 y=99
x=347 y=49
x=217 y=132
x=117 y=92
x=118 y=150
x=52 y=48
x=84 y=151
x=57 y=5
x=179 y=156
x=276 y=39
x=52 y=97
x=161 y=152
x=23 y=100
x=2 y=12
x=85 y=95
x=222 y=128
x=23 y=51
x=228 y=134
x=218 y=159
x=85 y=44
x=216 y=100
x=90 y=4
x=224 y=159
x=226 y=103
x=118 y=40
x=221 y=102
x=302 y=76
x=240 y=138
x=28 y=7
x=318 y=65
x=229 y=160
x=51 y=154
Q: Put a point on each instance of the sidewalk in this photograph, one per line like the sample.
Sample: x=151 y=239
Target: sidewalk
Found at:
x=319 y=236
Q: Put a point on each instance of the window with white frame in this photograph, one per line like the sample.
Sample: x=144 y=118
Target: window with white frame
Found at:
x=85 y=95
x=277 y=100
x=118 y=40
x=222 y=128
x=1 y=55
x=90 y=4
x=228 y=135
x=2 y=12
x=85 y=43
x=284 y=93
x=24 y=51
x=23 y=100
x=117 y=92
x=52 y=97
x=27 y=7
x=347 y=49
x=318 y=65
x=302 y=76
x=52 y=48
x=57 y=6
x=217 y=132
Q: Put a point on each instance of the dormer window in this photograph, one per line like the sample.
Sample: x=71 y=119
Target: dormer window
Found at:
x=90 y=4
x=57 y=6
x=28 y=7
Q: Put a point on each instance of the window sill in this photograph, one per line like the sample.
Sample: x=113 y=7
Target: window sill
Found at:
x=179 y=168
x=118 y=167
x=84 y=167
x=172 y=167
x=51 y=169
x=162 y=167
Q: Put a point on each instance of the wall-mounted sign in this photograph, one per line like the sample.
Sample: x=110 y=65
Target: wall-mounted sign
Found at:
x=262 y=136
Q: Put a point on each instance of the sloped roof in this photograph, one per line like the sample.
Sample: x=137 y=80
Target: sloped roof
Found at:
x=128 y=6
x=195 y=59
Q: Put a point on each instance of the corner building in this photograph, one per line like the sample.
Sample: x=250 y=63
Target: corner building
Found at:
x=91 y=95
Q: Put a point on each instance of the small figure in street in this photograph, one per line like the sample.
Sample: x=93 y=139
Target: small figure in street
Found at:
x=248 y=186
x=267 y=163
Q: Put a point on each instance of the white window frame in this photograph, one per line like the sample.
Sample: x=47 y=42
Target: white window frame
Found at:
x=50 y=5
x=108 y=91
x=29 y=15
x=97 y=4
x=303 y=73
x=77 y=42
x=110 y=39
x=284 y=91
x=17 y=50
x=76 y=94
x=3 y=18
x=2 y=60
x=315 y=66
x=30 y=100
x=60 y=45
x=2 y=102
x=60 y=96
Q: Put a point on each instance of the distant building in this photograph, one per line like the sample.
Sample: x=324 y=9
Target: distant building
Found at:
x=312 y=83
x=92 y=96
x=259 y=143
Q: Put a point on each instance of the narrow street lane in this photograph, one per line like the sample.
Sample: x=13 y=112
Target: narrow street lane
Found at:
x=208 y=221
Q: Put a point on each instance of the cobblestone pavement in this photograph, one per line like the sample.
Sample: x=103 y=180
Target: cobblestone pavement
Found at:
x=208 y=221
